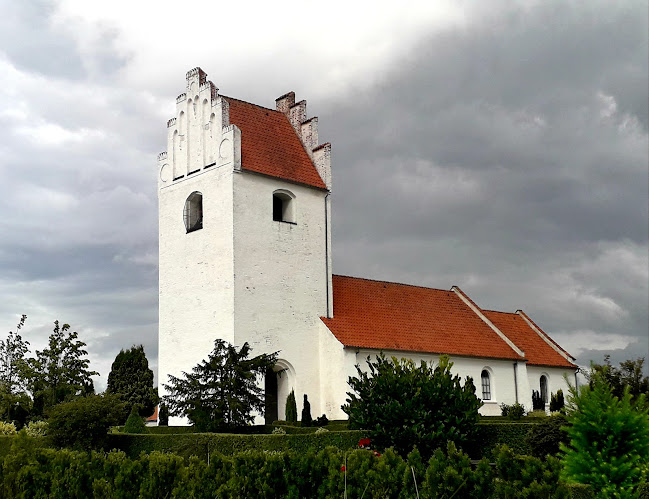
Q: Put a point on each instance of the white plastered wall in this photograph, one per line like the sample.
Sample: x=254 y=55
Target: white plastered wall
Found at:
x=281 y=278
x=503 y=389
x=558 y=379
x=196 y=269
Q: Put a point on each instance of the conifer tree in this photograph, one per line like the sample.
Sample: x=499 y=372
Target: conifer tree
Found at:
x=609 y=440
x=222 y=391
x=291 y=407
x=132 y=379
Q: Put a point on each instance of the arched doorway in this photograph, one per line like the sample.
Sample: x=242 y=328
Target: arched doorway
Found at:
x=279 y=382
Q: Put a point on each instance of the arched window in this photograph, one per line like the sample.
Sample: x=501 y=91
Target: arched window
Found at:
x=193 y=212
x=486 y=385
x=284 y=206
x=544 y=389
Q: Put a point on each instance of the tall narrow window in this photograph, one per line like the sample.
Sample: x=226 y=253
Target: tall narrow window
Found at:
x=544 y=389
x=283 y=206
x=193 y=212
x=486 y=385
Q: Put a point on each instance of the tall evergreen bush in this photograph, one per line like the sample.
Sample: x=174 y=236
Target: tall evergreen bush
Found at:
x=609 y=440
x=291 y=408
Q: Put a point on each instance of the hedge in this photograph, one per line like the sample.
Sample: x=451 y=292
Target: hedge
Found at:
x=203 y=444
x=34 y=472
x=490 y=435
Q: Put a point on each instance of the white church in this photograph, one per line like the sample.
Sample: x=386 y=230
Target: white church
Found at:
x=245 y=256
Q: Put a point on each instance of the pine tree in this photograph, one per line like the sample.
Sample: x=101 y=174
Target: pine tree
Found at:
x=609 y=440
x=291 y=408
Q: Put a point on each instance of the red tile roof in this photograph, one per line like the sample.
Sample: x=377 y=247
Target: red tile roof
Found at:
x=537 y=351
x=154 y=416
x=390 y=316
x=270 y=146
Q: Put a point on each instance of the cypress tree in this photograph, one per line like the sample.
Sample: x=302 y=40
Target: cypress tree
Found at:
x=291 y=408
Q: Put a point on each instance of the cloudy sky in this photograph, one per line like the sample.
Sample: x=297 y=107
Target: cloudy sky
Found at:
x=498 y=146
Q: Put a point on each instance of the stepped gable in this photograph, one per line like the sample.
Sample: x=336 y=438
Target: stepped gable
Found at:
x=390 y=316
x=539 y=351
x=270 y=145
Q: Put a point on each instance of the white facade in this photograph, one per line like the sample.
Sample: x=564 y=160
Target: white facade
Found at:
x=245 y=277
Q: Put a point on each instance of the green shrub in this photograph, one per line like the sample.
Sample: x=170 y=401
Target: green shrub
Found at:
x=526 y=476
x=537 y=401
x=163 y=414
x=291 y=408
x=403 y=405
x=514 y=412
x=135 y=423
x=36 y=429
x=321 y=421
x=7 y=428
x=29 y=471
x=279 y=431
x=609 y=440
x=306 y=412
x=556 y=401
x=545 y=437
x=489 y=436
x=203 y=444
x=84 y=423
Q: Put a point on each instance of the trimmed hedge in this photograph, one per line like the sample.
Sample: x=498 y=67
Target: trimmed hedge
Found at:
x=183 y=441
x=490 y=435
x=204 y=444
x=34 y=472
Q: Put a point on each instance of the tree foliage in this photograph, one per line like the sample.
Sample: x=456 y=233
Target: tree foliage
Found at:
x=306 y=412
x=132 y=379
x=629 y=374
x=15 y=403
x=291 y=407
x=134 y=423
x=222 y=391
x=61 y=371
x=404 y=405
x=83 y=423
x=12 y=357
x=609 y=439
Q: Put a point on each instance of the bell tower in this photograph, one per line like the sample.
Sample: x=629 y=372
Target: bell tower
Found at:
x=244 y=237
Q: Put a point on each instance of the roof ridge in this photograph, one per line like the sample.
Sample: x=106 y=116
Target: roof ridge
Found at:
x=250 y=103
x=391 y=282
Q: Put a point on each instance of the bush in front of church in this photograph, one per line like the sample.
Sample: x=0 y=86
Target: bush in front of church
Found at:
x=291 y=408
x=403 y=405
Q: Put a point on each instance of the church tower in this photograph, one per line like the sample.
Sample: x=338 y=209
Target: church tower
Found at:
x=244 y=236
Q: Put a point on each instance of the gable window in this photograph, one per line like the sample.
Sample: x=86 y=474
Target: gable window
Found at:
x=486 y=385
x=283 y=206
x=193 y=212
x=544 y=389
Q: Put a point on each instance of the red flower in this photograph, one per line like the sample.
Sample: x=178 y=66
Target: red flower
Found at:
x=377 y=454
x=364 y=442
x=342 y=468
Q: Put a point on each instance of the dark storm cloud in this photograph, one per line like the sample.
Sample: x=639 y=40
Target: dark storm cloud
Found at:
x=504 y=157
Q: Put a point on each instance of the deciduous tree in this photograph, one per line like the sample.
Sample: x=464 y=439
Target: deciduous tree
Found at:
x=404 y=405
x=222 y=391
x=15 y=403
x=60 y=371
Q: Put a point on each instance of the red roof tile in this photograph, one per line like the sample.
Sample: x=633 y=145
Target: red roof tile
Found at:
x=270 y=146
x=537 y=351
x=390 y=316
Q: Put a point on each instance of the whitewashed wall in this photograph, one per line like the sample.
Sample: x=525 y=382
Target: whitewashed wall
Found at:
x=281 y=279
x=503 y=389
